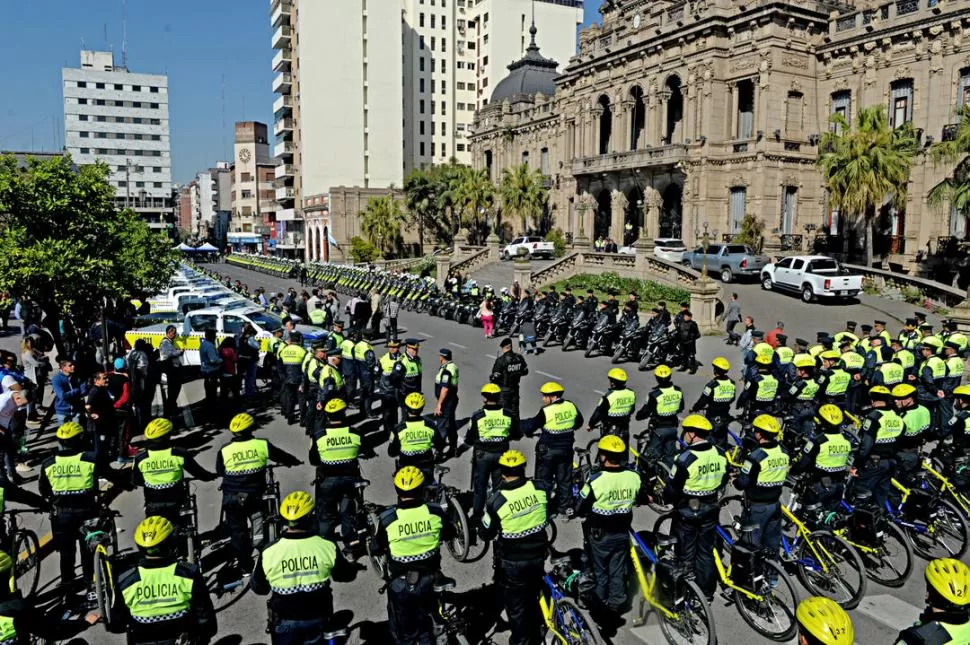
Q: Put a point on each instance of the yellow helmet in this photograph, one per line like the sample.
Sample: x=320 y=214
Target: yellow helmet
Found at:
x=414 y=401
x=408 y=478
x=334 y=406
x=662 y=371
x=511 y=459
x=296 y=505
x=491 y=388
x=831 y=355
x=825 y=620
x=950 y=579
x=158 y=428
x=616 y=374
x=962 y=390
x=831 y=415
x=69 y=430
x=879 y=390
x=721 y=363
x=611 y=443
x=803 y=361
x=6 y=562
x=763 y=359
x=697 y=422
x=903 y=390
x=551 y=387
x=766 y=423
x=153 y=531
x=242 y=422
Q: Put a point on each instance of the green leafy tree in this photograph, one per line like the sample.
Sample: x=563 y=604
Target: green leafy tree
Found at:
x=751 y=233
x=382 y=222
x=64 y=243
x=474 y=196
x=362 y=251
x=867 y=165
x=558 y=240
x=420 y=199
x=954 y=190
x=523 y=194
x=447 y=179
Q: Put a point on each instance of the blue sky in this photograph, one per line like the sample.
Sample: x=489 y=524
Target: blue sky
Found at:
x=204 y=46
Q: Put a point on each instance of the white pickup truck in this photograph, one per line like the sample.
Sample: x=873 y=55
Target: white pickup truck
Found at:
x=533 y=246
x=812 y=276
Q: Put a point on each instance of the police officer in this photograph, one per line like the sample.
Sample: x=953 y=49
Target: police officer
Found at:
x=334 y=451
x=348 y=366
x=557 y=419
x=160 y=469
x=606 y=501
x=879 y=330
x=272 y=361
x=389 y=386
x=823 y=621
x=162 y=599
x=337 y=334
x=762 y=478
x=69 y=480
x=330 y=385
x=854 y=365
x=908 y=336
x=847 y=334
x=761 y=391
x=489 y=430
x=242 y=465
x=800 y=397
x=410 y=533
x=446 y=395
x=957 y=428
x=954 y=377
x=408 y=369
x=314 y=362
x=508 y=370
x=826 y=459
x=291 y=361
x=515 y=516
x=19 y=618
x=615 y=407
x=783 y=360
x=297 y=569
x=889 y=373
x=946 y=618
x=415 y=441
x=698 y=474
x=833 y=381
x=917 y=423
x=881 y=430
x=931 y=376
x=664 y=402
x=716 y=400
x=366 y=363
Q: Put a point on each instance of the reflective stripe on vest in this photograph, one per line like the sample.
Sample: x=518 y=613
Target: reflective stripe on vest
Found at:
x=833 y=453
x=416 y=438
x=767 y=388
x=936 y=365
x=560 y=417
x=161 y=469
x=616 y=492
x=331 y=372
x=838 y=382
x=338 y=446
x=451 y=369
x=891 y=427
x=412 y=367
x=954 y=367
x=70 y=475
x=415 y=534
x=295 y=566
x=494 y=426
x=774 y=468
x=669 y=401
x=724 y=391
x=361 y=349
x=905 y=358
x=705 y=474
x=917 y=421
x=245 y=457
x=523 y=513
x=621 y=402
x=159 y=595
x=892 y=373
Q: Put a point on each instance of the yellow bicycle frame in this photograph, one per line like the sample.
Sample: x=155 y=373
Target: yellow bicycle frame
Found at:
x=648 y=585
x=725 y=575
x=946 y=486
x=817 y=550
x=548 y=611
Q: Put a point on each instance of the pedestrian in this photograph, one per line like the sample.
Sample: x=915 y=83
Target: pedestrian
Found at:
x=13 y=415
x=746 y=341
x=69 y=393
x=119 y=384
x=211 y=367
x=376 y=302
x=170 y=361
x=142 y=389
x=247 y=353
x=362 y=314
x=37 y=367
x=487 y=316
x=391 y=310
x=229 y=382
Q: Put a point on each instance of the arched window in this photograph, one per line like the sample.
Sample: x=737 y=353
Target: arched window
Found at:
x=606 y=124
x=638 y=118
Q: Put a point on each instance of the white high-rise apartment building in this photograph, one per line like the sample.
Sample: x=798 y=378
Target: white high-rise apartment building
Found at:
x=121 y=118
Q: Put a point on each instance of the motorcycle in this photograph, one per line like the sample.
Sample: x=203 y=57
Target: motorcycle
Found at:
x=660 y=348
x=601 y=336
x=559 y=324
x=541 y=319
x=631 y=341
x=578 y=330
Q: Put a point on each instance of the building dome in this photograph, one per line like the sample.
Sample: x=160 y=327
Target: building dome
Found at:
x=528 y=76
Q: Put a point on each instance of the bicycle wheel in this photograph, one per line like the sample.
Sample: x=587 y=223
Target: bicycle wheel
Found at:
x=458 y=546
x=774 y=616
x=573 y=624
x=892 y=561
x=552 y=532
x=844 y=581
x=944 y=536
x=103 y=586
x=26 y=550
x=377 y=562
x=694 y=623
x=656 y=485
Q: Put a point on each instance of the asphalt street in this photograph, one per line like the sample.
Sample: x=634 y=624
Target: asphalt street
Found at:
x=882 y=614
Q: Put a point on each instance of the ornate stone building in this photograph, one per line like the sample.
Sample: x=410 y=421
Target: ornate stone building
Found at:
x=680 y=117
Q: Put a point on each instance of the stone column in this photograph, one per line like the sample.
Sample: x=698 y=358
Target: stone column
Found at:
x=617 y=133
x=618 y=204
x=522 y=273
x=307 y=245
x=460 y=240
x=703 y=304
x=584 y=205
x=596 y=130
x=494 y=246
x=732 y=122
x=442 y=266
x=651 y=220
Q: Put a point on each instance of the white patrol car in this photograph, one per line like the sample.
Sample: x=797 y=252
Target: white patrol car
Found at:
x=226 y=323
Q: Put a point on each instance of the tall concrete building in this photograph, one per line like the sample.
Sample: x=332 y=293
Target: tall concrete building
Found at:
x=214 y=187
x=253 y=194
x=367 y=93
x=121 y=118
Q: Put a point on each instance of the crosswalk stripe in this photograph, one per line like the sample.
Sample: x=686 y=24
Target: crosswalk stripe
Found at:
x=889 y=610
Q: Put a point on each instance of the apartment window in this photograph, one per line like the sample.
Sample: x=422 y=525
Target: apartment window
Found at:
x=154 y=106
x=420 y=42
x=122 y=184
x=101 y=151
x=138 y=137
x=901 y=102
x=122 y=168
x=82 y=101
x=157 y=184
x=85 y=151
x=471 y=65
x=739 y=196
x=421 y=148
x=153 y=90
x=444 y=67
x=421 y=85
x=84 y=135
x=460 y=106
x=157 y=153
x=247 y=194
x=136 y=88
x=421 y=20
x=842 y=105
x=99 y=102
x=136 y=119
x=963 y=98
x=421 y=64
x=101 y=119
x=432 y=107
x=485 y=82
x=432 y=65
x=136 y=104
x=544 y=160
x=432 y=21
x=444 y=44
x=82 y=117
x=788 y=204
x=443 y=130
x=421 y=128
x=421 y=106
x=432 y=43
x=459 y=85
x=460 y=65
x=745 y=117
x=444 y=90
x=119 y=86
x=485 y=39
x=157 y=169
x=82 y=84
x=471 y=44
x=486 y=18
x=484 y=60
x=156 y=121
x=444 y=152
x=99 y=86
x=444 y=110
x=139 y=184
x=101 y=135
x=460 y=147
x=444 y=24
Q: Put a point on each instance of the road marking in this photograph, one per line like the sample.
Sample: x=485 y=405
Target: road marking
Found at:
x=492 y=356
x=457 y=345
x=601 y=392
x=552 y=376
x=890 y=611
x=649 y=634
x=421 y=333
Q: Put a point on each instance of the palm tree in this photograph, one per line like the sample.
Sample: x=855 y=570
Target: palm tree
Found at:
x=523 y=194
x=419 y=198
x=954 y=189
x=447 y=178
x=382 y=222
x=473 y=196
x=867 y=166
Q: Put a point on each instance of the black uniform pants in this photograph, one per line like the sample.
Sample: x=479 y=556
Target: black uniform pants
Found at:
x=485 y=471
x=521 y=581
x=509 y=398
x=409 y=610
x=240 y=510
x=288 y=400
x=66 y=531
x=389 y=408
x=767 y=518
x=695 y=533
x=554 y=472
x=335 y=499
x=610 y=553
x=366 y=389
x=875 y=476
x=349 y=370
x=447 y=423
x=311 y=415
x=663 y=442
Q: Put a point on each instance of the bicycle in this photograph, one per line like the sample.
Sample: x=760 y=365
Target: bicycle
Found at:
x=100 y=535
x=683 y=612
x=447 y=498
x=448 y=624
x=365 y=522
x=929 y=521
x=25 y=548
x=650 y=466
x=564 y=620
x=944 y=485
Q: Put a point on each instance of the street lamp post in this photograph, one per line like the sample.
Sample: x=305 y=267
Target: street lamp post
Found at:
x=705 y=243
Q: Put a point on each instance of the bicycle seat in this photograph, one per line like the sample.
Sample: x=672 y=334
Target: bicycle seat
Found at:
x=362 y=483
x=444 y=584
x=442 y=470
x=581 y=451
x=337 y=633
x=862 y=496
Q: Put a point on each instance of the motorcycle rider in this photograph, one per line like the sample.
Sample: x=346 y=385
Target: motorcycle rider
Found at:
x=507 y=371
x=664 y=402
x=716 y=400
x=615 y=407
x=688 y=333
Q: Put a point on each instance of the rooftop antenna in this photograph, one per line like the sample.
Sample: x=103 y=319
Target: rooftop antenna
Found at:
x=124 y=36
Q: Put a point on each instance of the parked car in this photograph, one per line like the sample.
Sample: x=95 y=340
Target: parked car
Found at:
x=534 y=247
x=670 y=249
x=813 y=276
x=729 y=261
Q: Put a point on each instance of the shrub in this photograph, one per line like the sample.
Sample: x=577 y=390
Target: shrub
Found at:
x=911 y=295
x=649 y=293
x=751 y=233
x=362 y=251
x=558 y=241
